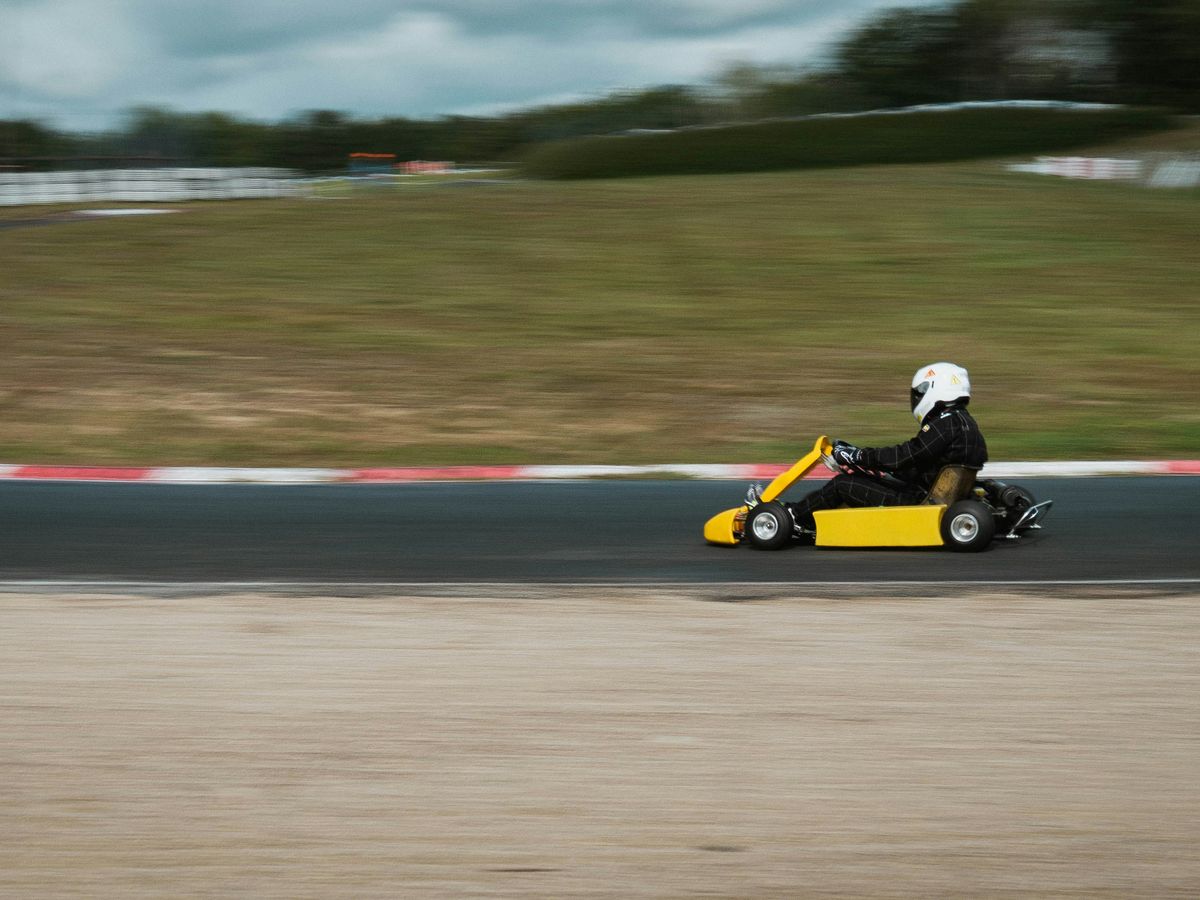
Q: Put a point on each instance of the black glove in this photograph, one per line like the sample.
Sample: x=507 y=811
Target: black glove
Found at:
x=846 y=456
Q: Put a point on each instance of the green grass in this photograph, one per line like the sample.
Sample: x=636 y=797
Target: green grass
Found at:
x=683 y=319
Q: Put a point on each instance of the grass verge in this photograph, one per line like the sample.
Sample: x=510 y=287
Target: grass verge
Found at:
x=705 y=319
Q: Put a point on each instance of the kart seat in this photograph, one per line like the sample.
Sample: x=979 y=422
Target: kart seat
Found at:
x=953 y=483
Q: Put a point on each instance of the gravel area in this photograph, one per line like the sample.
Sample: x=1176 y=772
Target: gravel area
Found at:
x=599 y=744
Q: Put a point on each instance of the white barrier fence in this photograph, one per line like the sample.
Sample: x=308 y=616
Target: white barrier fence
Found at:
x=146 y=185
x=1099 y=168
x=1176 y=173
x=1179 y=172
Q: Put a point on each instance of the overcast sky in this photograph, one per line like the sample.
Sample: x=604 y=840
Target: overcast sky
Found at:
x=79 y=64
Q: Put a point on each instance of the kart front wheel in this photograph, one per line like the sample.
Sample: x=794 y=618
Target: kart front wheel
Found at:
x=769 y=526
x=968 y=526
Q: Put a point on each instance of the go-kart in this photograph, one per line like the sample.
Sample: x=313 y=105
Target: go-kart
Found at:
x=959 y=512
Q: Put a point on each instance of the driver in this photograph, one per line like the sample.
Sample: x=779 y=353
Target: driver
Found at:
x=948 y=436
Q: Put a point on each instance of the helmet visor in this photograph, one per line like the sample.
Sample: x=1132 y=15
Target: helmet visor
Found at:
x=918 y=392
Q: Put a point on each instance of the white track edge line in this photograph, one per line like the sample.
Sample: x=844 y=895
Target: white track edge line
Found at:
x=59 y=583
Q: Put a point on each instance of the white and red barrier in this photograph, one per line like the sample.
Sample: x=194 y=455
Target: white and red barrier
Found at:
x=1156 y=171
x=411 y=474
x=1088 y=167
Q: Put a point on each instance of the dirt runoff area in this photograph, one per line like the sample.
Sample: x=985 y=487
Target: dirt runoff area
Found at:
x=599 y=744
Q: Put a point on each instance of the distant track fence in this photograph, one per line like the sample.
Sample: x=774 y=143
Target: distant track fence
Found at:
x=147 y=185
x=1153 y=170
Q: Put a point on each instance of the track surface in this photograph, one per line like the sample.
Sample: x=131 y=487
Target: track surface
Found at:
x=574 y=532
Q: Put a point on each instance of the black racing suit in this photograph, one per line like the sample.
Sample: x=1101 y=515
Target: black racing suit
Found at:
x=948 y=436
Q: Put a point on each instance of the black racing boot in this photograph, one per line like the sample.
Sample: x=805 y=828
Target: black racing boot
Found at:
x=753 y=496
x=806 y=526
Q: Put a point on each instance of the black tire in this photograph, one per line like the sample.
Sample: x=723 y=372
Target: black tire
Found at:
x=769 y=526
x=968 y=526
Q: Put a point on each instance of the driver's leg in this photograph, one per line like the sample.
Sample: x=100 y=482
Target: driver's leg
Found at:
x=849 y=490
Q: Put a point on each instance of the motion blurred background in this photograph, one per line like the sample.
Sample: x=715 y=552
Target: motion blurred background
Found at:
x=711 y=271
x=402 y=232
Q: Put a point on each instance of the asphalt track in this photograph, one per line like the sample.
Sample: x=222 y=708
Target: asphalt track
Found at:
x=585 y=532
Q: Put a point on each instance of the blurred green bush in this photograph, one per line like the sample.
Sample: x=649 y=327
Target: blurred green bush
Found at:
x=915 y=137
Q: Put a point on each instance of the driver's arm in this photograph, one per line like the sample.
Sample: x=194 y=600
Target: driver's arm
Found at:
x=922 y=452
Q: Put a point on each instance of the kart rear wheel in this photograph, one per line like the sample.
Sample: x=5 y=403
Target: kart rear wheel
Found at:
x=769 y=526
x=968 y=526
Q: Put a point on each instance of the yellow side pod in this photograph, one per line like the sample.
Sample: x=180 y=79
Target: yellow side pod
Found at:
x=880 y=526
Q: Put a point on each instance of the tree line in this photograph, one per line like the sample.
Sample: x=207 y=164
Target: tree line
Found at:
x=1117 y=51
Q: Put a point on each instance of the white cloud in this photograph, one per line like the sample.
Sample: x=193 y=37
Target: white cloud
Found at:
x=79 y=63
x=716 y=13
x=68 y=48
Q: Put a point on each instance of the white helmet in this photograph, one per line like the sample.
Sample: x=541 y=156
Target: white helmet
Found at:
x=938 y=383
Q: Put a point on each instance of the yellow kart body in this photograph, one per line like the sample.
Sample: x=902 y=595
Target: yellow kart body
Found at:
x=868 y=526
